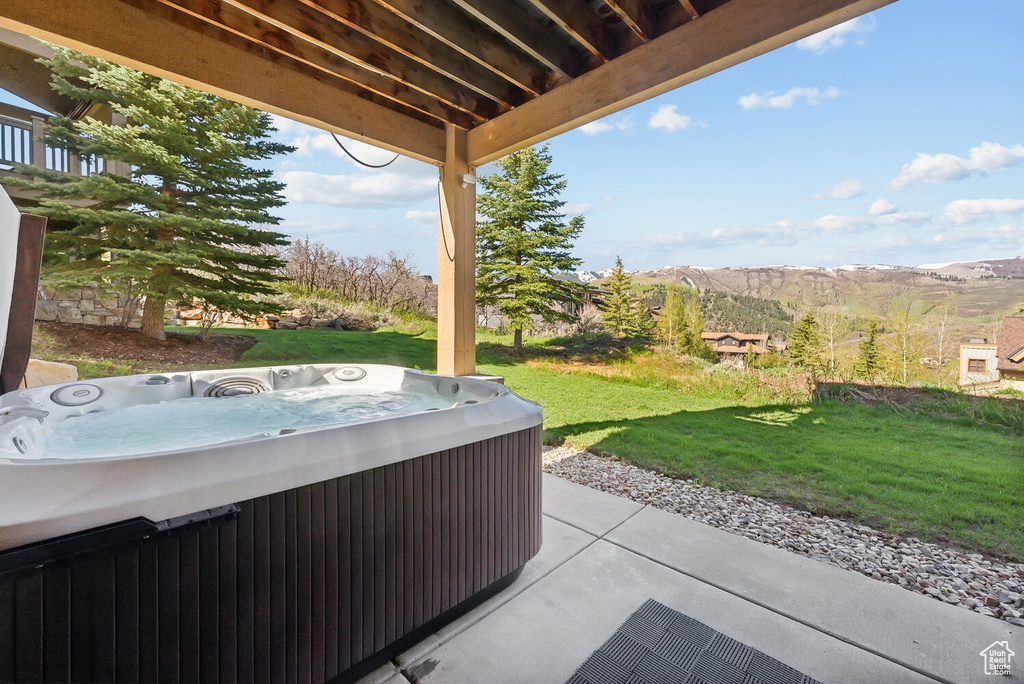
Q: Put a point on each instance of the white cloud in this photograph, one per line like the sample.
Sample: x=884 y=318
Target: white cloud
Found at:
x=427 y=218
x=837 y=36
x=1005 y=238
x=941 y=168
x=382 y=189
x=880 y=207
x=285 y=126
x=785 y=232
x=604 y=126
x=965 y=211
x=770 y=100
x=845 y=190
x=576 y=208
x=669 y=119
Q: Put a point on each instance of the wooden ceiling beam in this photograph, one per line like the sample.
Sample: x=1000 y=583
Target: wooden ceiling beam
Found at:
x=268 y=37
x=727 y=35
x=690 y=9
x=444 y=22
x=637 y=16
x=383 y=26
x=525 y=33
x=583 y=25
x=330 y=34
x=145 y=40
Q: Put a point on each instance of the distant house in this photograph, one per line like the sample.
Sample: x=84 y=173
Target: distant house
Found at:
x=1010 y=352
x=733 y=346
x=978 y=363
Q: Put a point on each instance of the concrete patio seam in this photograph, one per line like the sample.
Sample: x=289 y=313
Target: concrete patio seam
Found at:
x=605 y=534
x=786 y=615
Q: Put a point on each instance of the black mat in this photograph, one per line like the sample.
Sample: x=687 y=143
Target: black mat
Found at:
x=658 y=645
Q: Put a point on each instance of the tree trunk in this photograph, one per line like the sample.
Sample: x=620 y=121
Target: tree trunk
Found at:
x=517 y=340
x=153 y=317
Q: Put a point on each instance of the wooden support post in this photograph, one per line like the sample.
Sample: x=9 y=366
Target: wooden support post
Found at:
x=38 y=155
x=456 y=261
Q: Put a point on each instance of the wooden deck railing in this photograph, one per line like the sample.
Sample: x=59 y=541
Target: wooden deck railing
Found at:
x=21 y=142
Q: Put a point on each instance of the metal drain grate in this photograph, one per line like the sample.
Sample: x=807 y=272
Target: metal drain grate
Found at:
x=657 y=645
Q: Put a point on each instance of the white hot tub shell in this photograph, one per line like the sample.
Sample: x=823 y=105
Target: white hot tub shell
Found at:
x=445 y=499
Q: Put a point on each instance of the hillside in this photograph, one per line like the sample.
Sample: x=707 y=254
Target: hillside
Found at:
x=979 y=292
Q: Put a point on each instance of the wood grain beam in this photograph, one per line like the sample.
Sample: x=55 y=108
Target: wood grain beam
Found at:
x=732 y=33
x=145 y=40
x=637 y=16
x=524 y=32
x=330 y=34
x=444 y=22
x=272 y=38
x=386 y=28
x=583 y=25
x=690 y=9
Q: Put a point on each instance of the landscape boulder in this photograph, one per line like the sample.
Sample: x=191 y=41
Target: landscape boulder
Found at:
x=287 y=325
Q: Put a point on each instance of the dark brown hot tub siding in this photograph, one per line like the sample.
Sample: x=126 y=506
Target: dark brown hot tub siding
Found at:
x=300 y=587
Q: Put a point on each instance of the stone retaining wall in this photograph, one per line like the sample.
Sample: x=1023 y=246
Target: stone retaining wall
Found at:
x=86 y=305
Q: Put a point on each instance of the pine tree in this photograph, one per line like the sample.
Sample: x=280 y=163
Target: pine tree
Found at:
x=620 y=302
x=805 y=343
x=186 y=221
x=523 y=240
x=869 y=358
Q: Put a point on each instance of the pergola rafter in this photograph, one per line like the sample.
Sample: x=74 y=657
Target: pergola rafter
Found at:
x=456 y=83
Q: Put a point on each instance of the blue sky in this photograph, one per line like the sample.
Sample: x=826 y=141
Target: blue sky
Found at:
x=897 y=138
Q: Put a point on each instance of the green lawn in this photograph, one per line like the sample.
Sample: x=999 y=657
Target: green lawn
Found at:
x=934 y=476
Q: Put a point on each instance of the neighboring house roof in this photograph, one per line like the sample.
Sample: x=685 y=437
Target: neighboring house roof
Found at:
x=1011 y=344
x=757 y=343
x=739 y=337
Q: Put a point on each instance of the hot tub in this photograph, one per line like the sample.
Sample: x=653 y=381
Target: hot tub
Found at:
x=287 y=524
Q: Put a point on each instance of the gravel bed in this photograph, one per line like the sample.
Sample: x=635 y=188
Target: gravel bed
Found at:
x=969 y=580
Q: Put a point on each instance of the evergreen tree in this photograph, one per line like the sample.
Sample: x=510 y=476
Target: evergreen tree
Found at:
x=621 y=301
x=181 y=225
x=805 y=344
x=639 y=322
x=523 y=240
x=869 y=358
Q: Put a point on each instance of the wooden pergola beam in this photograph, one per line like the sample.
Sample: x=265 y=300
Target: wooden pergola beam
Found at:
x=323 y=30
x=637 y=16
x=690 y=9
x=445 y=23
x=126 y=34
x=383 y=26
x=269 y=37
x=732 y=33
x=583 y=25
x=525 y=33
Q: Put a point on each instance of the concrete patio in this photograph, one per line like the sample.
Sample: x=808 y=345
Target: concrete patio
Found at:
x=603 y=556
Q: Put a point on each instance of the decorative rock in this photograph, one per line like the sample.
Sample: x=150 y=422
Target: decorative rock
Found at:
x=273 y=318
x=48 y=373
x=287 y=325
x=303 y=320
x=974 y=582
x=320 y=322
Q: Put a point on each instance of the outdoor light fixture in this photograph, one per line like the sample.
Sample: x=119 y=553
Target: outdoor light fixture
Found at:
x=468 y=179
